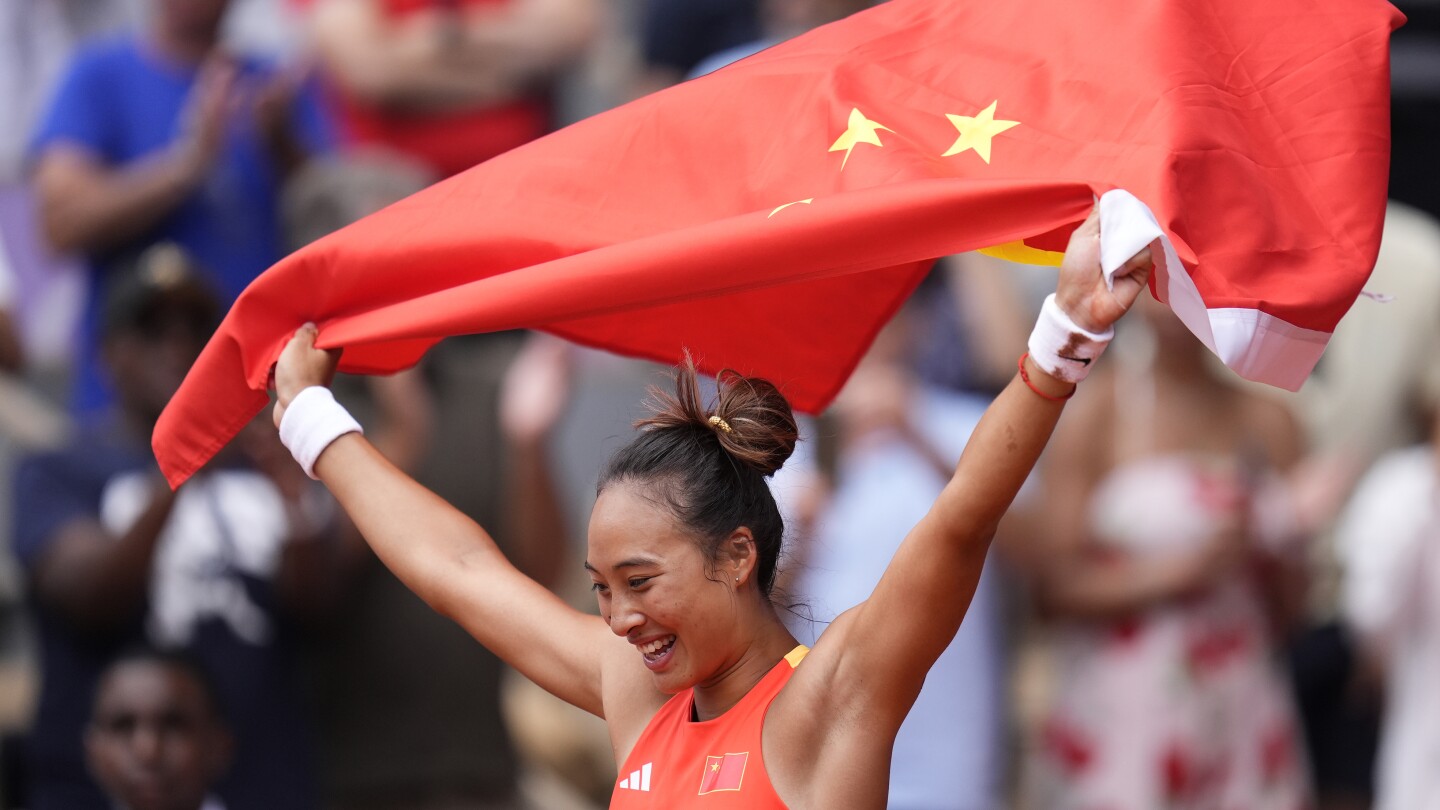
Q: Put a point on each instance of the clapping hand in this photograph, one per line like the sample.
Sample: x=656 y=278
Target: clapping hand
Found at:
x=536 y=389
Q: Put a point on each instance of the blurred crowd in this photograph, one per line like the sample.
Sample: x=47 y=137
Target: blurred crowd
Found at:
x=1212 y=596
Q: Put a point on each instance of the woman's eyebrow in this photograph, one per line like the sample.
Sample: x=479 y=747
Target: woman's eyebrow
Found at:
x=633 y=562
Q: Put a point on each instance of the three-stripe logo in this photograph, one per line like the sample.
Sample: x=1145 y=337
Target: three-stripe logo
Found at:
x=637 y=780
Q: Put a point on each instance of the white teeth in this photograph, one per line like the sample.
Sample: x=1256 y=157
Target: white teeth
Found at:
x=655 y=646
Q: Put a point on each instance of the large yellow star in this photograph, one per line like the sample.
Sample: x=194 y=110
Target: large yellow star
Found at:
x=859 y=130
x=976 y=132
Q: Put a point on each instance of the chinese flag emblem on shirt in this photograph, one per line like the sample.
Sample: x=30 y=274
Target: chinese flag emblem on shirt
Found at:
x=724 y=772
x=772 y=216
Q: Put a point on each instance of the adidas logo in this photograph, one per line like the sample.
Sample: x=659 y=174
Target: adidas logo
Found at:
x=637 y=780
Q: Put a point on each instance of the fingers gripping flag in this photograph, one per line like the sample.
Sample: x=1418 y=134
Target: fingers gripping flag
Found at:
x=771 y=216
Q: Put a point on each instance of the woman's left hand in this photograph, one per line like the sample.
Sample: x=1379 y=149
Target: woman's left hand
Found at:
x=1083 y=293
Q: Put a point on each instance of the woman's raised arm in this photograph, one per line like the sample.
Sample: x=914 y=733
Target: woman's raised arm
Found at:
x=883 y=647
x=448 y=559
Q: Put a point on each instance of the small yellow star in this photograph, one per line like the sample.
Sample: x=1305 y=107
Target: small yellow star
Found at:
x=976 y=132
x=859 y=130
x=714 y=766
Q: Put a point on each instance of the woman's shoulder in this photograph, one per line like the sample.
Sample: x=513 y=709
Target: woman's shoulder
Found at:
x=811 y=691
x=820 y=729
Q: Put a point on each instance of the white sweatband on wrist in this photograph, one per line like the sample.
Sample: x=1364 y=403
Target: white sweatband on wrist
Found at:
x=1063 y=349
x=311 y=422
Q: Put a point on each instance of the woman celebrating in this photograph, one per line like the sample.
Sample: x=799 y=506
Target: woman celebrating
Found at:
x=708 y=699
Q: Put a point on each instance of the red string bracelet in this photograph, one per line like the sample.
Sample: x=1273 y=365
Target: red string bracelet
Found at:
x=1025 y=375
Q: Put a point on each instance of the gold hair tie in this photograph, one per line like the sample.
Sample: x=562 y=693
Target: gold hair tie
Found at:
x=717 y=422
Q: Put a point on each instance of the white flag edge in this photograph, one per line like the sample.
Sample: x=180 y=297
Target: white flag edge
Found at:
x=1256 y=345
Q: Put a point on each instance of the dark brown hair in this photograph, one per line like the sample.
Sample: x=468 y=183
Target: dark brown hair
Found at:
x=710 y=478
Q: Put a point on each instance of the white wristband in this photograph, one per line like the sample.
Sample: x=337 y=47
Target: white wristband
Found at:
x=311 y=422
x=1063 y=349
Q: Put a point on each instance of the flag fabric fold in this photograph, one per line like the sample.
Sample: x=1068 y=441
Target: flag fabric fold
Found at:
x=770 y=217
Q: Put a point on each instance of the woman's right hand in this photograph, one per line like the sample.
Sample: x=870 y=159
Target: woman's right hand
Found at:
x=300 y=366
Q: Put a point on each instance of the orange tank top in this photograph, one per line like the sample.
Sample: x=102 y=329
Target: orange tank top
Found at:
x=716 y=764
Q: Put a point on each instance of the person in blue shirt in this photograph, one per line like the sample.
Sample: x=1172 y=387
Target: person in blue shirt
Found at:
x=162 y=136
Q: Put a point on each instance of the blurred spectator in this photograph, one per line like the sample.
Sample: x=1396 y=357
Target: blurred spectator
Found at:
x=160 y=136
x=35 y=41
x=39 y=303
x=156 y=739
x=339 y=189
x=437 y=740
x=535 y=396
x=448 y=83
x=1170 y=568
x=1362 y=402
x=604 y=77
x=1415 y=106
x=969 y=315
x=407 y=704
x=1389 y=543
x=677 y=35
x=37 y=38
x=780 y=20
x=443 y=85
x=221 y=568
x=271 y=29
x=10 y=353
x=899 y=440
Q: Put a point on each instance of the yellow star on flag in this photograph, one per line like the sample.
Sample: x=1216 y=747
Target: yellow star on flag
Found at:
x=859 y=130
x=780 y=208
x=976 y=132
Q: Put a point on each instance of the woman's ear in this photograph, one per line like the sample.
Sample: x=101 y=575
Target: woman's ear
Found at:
x=738 y=556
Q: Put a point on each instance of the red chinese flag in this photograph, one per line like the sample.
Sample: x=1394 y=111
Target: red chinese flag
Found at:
x=770 y=217
x=725 y=772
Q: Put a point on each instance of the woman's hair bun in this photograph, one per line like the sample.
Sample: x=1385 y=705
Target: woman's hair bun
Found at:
x=750 y=417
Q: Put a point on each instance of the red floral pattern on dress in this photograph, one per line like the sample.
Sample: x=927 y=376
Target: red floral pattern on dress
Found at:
x=1217 y=492
x=1277 y=754
x=1211 y=648
x=1180 y=706
x=1125 y=630
x=1068 y=745
x=1178 y=773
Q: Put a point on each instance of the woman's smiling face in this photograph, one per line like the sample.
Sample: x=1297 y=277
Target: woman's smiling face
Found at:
x=656 y=588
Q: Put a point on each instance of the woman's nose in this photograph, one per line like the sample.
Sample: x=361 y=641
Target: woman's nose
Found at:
x=624 y=617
